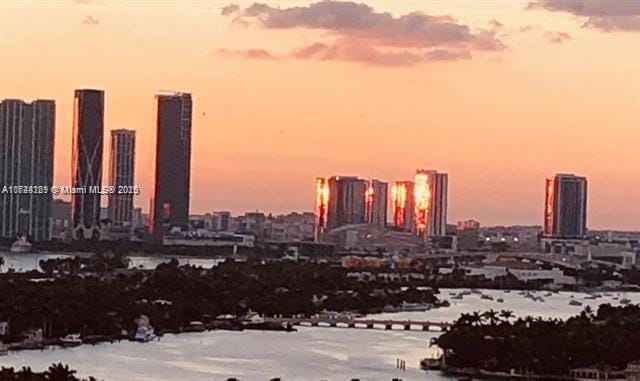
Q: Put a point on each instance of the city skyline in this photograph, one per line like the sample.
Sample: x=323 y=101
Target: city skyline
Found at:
x=252 y=152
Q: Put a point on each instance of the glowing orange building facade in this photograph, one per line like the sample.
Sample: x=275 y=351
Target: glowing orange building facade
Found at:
x=322 y=207
x=422 y=200
x=345 y=200
x=402 y=205
x=420 y=206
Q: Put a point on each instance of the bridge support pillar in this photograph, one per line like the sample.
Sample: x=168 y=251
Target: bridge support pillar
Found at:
x=388 y=327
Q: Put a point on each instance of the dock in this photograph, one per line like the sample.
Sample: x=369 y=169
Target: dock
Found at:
x=345 y=322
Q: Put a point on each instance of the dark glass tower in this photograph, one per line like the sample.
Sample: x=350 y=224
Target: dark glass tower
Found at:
x=26 y=159
x=121 y=174
x=88 y=128
x=566 y=206
x=170 y=202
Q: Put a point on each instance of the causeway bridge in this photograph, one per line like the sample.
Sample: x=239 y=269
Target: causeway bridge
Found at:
x=345 y=322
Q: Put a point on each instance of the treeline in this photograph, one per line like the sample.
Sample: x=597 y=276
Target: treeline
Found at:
x=56 y=372
x=497 y=342
x=107 y=303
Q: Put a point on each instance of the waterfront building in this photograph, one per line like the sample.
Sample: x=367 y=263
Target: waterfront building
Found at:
x=566 y=207
x=121 y=175
x=468 y=233
x=402 y=207
x=375 y=212
x=346 y=201
x=430 y=205
x=26 y=159
x=170 y=200
x=88 y=128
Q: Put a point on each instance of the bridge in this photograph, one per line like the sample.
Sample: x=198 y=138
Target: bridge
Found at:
x=345 y=322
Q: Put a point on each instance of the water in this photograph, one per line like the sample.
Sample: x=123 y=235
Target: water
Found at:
x=31 y=261
x=311 y=354
x=23 y=262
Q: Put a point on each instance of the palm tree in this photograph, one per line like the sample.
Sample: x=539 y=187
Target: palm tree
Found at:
x=491 y=316
x=506 y=315
x=59 y=372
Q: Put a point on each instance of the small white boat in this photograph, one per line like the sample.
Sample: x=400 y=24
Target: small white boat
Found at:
x=144 y=334
x=21 y=245
x=434 y=359
x=71 y=340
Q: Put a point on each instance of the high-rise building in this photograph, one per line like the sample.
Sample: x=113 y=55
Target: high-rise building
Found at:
x=346 y=201
x=430 y=203
x=566 y=206
x=321 y=208
x=402 y=200
x=121 y=174
x=26 y=159
x=88 y=128
x=170 y=202
x=375 y=211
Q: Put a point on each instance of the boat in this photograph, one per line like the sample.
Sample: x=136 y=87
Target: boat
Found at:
x=500 y=300
x=575 y=303
x=71 y=340
x=486 y=297
x=21 y=245
x=434 y=359
x=457 y=297
x=144 y=334
x=625 y=301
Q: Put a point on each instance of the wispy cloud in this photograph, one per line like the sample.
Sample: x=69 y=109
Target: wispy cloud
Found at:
x=90 y=20
x=361 y=34
x=248 y=53
x=605 y=15
x=556 y=37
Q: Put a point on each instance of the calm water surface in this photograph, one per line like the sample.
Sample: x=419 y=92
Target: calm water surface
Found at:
x=309 y=354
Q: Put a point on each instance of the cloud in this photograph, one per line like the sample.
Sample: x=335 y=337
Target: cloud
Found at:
x=605 y=15
x=448 y=55
x=361 y=34
x=90 y=20
x=229 y=10
x=556 y=37
x=248 y=53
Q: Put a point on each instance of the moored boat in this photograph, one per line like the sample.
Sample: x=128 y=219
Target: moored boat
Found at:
x=434 y=359
x=21 y=245
x=71 y=340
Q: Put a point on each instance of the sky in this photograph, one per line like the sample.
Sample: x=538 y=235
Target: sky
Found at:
x=498 y=94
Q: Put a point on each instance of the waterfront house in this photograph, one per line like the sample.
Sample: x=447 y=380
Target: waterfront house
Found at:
x=595 y=374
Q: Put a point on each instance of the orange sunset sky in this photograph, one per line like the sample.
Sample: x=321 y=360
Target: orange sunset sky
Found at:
x=499 y=94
